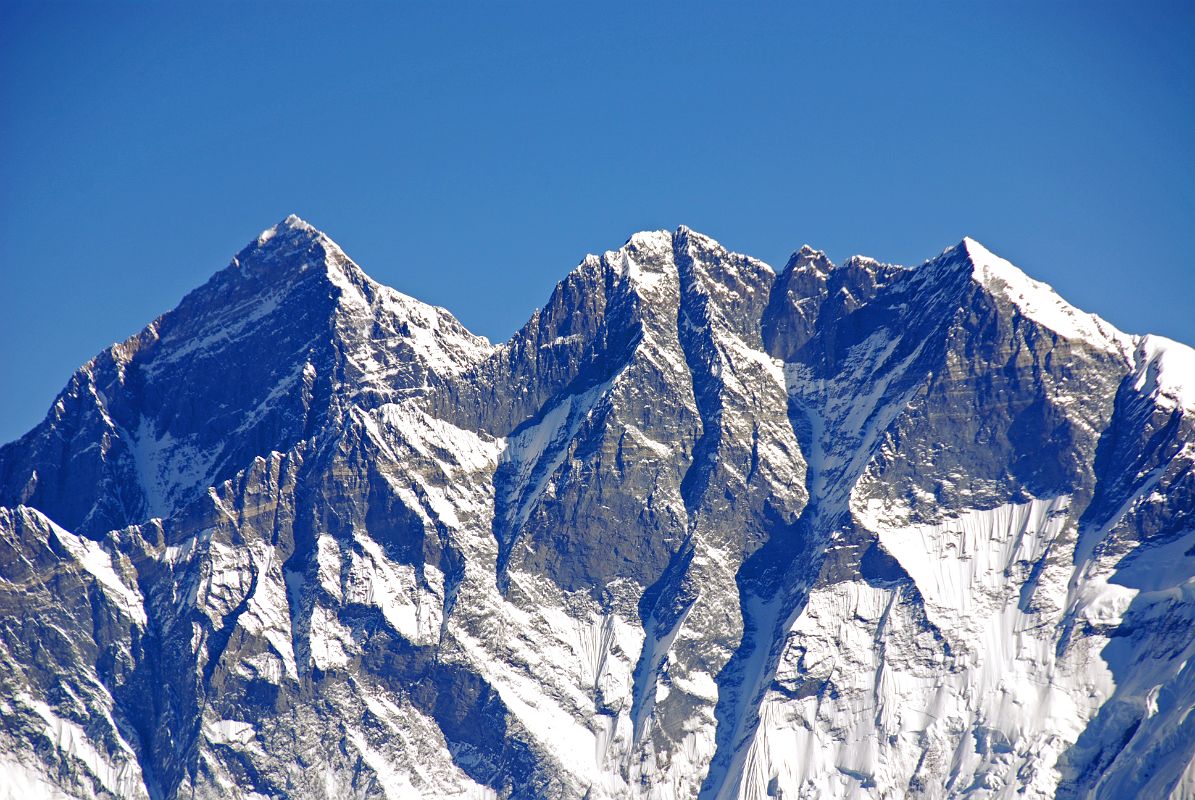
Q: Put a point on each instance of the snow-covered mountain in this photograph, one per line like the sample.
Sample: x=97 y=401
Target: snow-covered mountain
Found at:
x=698 y=530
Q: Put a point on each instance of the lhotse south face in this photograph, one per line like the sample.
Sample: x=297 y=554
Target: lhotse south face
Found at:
x=697 y=530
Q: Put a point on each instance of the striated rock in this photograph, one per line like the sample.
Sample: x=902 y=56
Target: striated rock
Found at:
x=696 y=530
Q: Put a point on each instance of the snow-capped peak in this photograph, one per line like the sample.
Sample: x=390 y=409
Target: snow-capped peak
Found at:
x=295 y=221
x=292 y=223
x=697 y=530
x=1038 y=301
x=868 y=261
x=294 y=247
x=809 y=257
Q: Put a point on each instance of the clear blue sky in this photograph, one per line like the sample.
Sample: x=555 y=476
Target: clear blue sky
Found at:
x=472 y=155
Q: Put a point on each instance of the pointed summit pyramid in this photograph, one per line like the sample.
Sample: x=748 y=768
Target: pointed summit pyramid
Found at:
x=1031 y=298
x=270 y=349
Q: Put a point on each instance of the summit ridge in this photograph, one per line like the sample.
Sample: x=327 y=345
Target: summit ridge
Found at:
x=699 y=529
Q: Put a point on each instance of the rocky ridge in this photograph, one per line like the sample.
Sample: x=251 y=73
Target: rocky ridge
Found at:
x=698 y=529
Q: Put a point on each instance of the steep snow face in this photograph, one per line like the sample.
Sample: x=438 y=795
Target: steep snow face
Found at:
x=698 y=530
x=1165 y=372
x=408 y=340
x=953 y=680
x=1039 y=302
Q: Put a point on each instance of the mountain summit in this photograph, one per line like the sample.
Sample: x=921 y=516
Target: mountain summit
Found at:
x=700 y=529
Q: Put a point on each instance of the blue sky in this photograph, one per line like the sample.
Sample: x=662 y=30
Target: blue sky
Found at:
x=471 y=155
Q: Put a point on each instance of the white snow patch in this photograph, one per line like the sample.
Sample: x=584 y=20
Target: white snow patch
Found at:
x=122 y=779
x=25 y=782
x=169 y=468
x=1165 y=371
x=395 y=784
x=97 y=561
x=268 y=611
x=228 y=731
x=537 y=451
x=413 y=611
x=331 y=642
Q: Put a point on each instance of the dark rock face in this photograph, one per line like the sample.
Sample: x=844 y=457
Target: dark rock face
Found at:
x=698 y=529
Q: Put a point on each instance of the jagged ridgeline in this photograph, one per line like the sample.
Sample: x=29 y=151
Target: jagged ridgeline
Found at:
x=698 y=530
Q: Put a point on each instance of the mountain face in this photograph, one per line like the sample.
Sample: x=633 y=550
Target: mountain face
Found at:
x=698 y=530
